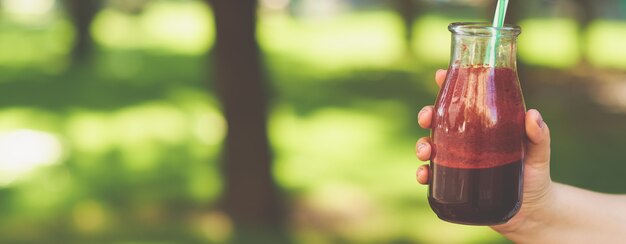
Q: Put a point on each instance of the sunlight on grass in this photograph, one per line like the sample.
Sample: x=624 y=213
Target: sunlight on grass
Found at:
x=16 y=118
x=112 y=28
x=31 y=152
x=24 y=150
x=142 y=131
x=34 y=35
x=28 y=13
x=153 y=121
x=323 y=147
x=207 y=126
x=27 y=143
x=27 y=7
x=178 y=27
x=185 y=27
x=371 y=39
x=90 y=131
x=549 y=42
x=605 y=39
x=52 y=44
x=433 y=39
x=145 y=134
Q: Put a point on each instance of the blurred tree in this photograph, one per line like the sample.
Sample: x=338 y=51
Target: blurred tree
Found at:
x=82 y=13
x=586 y=14
x=408 y=11
x=251 y=197
x=133 y=7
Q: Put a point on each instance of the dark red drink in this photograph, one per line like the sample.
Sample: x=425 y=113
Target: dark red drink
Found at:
x=482 y=201
x=478 y=146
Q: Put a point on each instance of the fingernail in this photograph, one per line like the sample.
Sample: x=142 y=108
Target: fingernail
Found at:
x=420 y=146
x=422 y=111
x=539 y=120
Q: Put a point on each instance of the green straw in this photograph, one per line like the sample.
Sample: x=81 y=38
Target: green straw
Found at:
x=498 y=22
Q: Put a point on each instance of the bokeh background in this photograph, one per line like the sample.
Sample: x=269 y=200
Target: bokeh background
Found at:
x=185 y=121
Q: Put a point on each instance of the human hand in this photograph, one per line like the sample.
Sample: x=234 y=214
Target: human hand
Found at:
x=538 y=193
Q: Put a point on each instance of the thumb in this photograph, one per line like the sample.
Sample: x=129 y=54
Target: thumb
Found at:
x=538 y=146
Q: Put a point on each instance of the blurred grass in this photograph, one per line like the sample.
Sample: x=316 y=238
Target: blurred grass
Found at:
x=359 y=39
x=604 y=49
x=164 y=26
x=140 y=127
x=550 y=42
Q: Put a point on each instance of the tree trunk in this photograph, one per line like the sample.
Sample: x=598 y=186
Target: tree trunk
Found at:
x=585 y=16
x=251 y=197
x=408 y=11
x=82 y=13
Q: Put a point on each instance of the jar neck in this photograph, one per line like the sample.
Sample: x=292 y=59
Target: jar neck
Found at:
x=474 y=44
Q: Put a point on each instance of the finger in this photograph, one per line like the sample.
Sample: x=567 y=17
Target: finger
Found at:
x=538 y=146
x=440 y=76
x=424 y=117
x=422 y=149
x=422 y=174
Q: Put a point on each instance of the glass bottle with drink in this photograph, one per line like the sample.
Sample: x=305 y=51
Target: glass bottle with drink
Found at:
x=478 y=134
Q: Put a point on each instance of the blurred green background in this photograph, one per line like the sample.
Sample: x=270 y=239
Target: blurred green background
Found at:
x=111 y=126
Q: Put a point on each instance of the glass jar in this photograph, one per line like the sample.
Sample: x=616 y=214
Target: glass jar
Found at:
x=478 y=133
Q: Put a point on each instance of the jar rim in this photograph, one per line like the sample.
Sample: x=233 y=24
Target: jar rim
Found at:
x=483 y=29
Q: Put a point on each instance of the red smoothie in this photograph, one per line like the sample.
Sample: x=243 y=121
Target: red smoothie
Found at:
x=478 y=146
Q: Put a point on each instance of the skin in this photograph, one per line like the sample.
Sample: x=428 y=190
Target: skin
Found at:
x=551 y=212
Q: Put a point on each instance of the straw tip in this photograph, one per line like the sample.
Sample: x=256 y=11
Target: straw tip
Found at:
x=498 y=17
